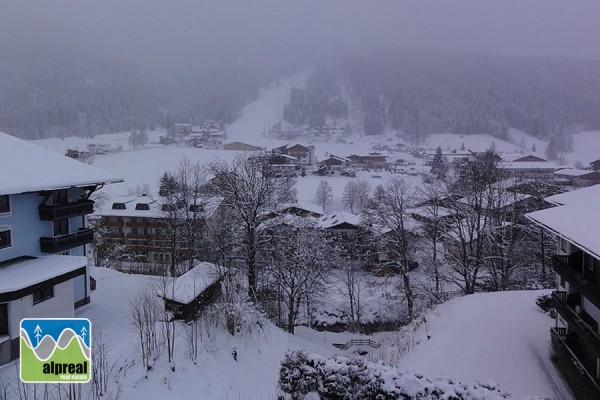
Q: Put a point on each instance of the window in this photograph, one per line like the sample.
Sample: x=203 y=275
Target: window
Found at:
x=142 y=206
x=119 y=206
x=5 y=238
x=4 y=204
x=134 y=231
x=61 y=227
x=43 y=293
x=3 y=319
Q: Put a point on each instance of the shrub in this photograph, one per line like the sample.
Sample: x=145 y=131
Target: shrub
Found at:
x=346 y=378
x=544 y=302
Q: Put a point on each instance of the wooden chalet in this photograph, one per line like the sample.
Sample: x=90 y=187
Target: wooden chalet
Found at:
x=189 y=294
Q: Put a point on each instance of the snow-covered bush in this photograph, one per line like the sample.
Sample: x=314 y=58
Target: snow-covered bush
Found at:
x=544 y=302
x=348 y=378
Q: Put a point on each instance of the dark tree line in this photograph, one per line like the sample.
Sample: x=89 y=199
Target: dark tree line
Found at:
x=426 y=93
x=320 y=98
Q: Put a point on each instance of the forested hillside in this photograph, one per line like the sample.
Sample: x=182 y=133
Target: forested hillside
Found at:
x=60 y=92
x=422 y=93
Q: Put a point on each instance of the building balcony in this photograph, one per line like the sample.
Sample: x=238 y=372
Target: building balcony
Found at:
x=60 y=211
x=583 y=325
x=57 y=244
x=581 y=280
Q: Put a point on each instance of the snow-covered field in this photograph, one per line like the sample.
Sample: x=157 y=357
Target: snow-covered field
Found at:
x=493 y=337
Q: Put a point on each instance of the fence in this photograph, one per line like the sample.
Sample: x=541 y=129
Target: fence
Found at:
x=357 y=342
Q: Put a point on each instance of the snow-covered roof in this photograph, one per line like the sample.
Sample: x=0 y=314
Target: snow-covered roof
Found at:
x=499 y=200
x=576 y=196
x=303 y=205
x=533 y=165
x=288 y=157
x=426 y=211
x=191 y=284
x=577 y=221
x=27 y=167
x=573 y=172
x=30 y=272
x=337 y=218
x=134 y=206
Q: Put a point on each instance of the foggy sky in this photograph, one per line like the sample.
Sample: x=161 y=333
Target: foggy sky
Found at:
x=178 y=37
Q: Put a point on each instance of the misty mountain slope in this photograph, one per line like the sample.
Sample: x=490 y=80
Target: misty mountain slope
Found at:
x=61 y=94
x=424 y=93
x=267 y=109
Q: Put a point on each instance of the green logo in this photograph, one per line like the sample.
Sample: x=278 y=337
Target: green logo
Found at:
x=56 y=350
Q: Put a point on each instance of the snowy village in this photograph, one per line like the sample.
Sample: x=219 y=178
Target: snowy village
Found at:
x=334 y=232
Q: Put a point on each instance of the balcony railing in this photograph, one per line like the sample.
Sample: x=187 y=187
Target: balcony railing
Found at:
x=53 y=212
x=559 y=335
x=571 y=268
x=576 y=322
x=65 y=242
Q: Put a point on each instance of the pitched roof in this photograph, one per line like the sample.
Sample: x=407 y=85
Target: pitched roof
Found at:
x=531 y=165
x=298 y=148
x=27 y=167
x=337 y=218
x=577 y=221
x=530 y=158
x=578 y=173
x=191 y=284
x=302 y=205
x=579 y=196
x=131 y=206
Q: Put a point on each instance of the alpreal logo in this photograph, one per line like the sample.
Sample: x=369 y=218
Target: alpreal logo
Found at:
x=56 y=350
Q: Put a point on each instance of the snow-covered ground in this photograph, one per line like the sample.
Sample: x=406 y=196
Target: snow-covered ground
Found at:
x=586 y=147
x=501 y=337
x=267 y=109
x=493 y=337
x=215 y=375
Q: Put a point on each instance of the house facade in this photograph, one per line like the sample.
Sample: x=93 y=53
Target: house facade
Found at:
x=143 y=228
x=529 y=167
x=577 y=177
x=574 y=223
x=43 y=233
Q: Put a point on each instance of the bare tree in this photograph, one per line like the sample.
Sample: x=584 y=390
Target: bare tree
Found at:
x=387 y=215
x=505 y=245
x=166 y=289
x=432 y=195
x=363 y=189
x=107 y=252
x=104 y=371
x=299 y=261
x=249 y=189
x=470 y=199
x=324 y=194
x=350 y=196
x=354 y=284
x=185 y=199
x=144 y=315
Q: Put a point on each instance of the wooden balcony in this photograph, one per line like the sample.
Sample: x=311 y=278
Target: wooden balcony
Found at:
x=576 y=322
x=65 y=242
x=581 y=280
x=50 y=212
